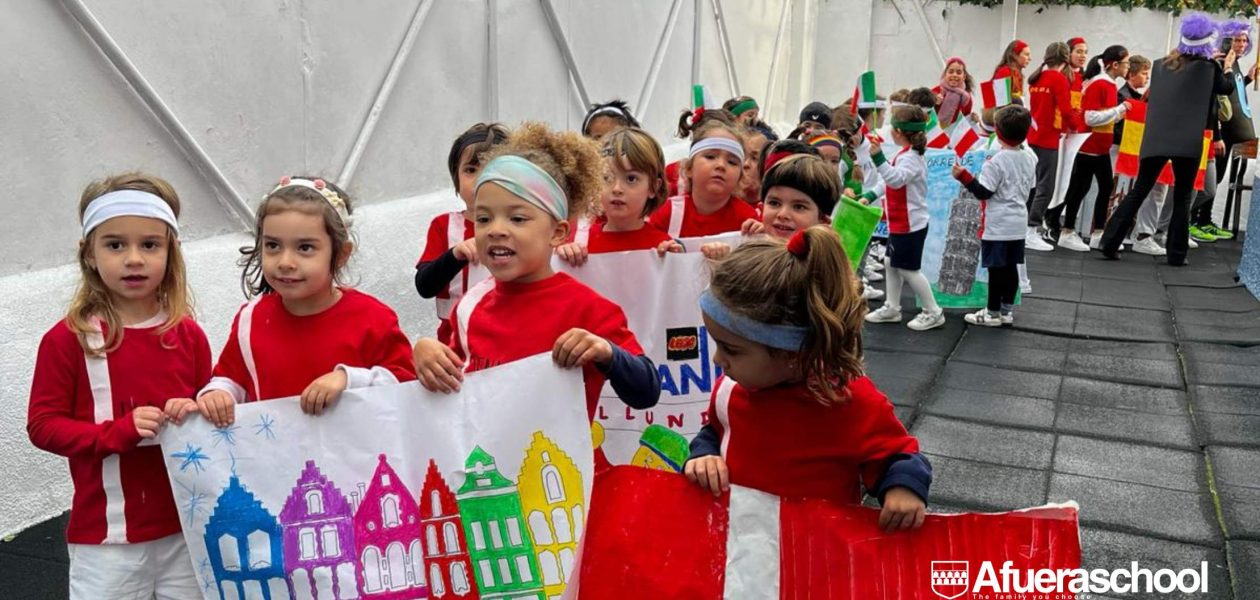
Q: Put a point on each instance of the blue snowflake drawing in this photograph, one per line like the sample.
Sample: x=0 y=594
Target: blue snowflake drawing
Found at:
x=264 y=426
x=195 y=502
x=192 y=457
x=225 y=434
x=207 y=575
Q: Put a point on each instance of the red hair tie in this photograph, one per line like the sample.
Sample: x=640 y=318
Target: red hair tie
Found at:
x=1074 y=41
x=797 y=245
x=1020 y=46
x=774 y=158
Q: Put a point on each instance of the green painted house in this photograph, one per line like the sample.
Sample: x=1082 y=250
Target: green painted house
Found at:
x=499 y=546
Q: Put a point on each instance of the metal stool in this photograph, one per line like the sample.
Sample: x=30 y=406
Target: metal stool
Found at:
x=1238 y=157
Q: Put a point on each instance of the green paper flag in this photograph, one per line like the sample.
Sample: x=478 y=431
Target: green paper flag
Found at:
x=855 y=222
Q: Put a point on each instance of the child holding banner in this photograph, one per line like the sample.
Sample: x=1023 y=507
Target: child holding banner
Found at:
x=635 y=187
x=905 y=205
x=522 y=203
x=712 y=171
x=793 y=415
x=1002 y=189
x=302 y=332
x=127 y=348
x=442 y=271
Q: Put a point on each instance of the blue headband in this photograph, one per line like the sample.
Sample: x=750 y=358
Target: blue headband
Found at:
x=526 y=181
x=782 y=337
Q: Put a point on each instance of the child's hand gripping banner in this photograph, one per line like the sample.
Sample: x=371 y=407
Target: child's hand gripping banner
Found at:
x=394 y=492
x=655 y=535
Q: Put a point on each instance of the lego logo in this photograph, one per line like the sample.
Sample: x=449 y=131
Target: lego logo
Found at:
x=682 y=343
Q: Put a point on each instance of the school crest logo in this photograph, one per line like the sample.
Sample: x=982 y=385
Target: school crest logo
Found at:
x=950 y=578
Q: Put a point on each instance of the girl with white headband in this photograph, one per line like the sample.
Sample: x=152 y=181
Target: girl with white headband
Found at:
x=302 y=331
x=793 y=413
x=525 y=198
x=713 y=172
x=103 y=378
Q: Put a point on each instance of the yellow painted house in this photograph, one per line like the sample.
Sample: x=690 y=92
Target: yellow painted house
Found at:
x=551 y=496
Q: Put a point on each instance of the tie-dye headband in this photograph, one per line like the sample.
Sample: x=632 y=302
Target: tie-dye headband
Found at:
x=526 y=181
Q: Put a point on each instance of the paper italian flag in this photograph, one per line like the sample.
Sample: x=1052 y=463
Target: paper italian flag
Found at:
x=996 y=93
x=864 y=95
x=937 y=137
x=700 y=101
x=962 y=136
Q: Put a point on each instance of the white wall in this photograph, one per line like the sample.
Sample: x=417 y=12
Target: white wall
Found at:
x=274 y=87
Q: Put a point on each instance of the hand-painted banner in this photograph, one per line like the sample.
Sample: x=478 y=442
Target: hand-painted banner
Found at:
x=656 y=535
x=660 y=296
x=393 y=493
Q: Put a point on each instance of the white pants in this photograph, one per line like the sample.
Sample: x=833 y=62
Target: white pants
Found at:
x=159 y=569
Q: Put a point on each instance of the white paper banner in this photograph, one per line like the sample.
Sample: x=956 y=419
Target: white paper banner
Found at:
x=393 y=493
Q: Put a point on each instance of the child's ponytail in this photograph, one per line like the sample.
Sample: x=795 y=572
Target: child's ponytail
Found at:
x=833 y=348
x=1100 y=62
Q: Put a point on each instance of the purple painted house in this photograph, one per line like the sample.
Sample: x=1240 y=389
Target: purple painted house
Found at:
x=319 y=549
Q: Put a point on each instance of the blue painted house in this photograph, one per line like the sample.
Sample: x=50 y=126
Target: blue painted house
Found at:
x=245 y=545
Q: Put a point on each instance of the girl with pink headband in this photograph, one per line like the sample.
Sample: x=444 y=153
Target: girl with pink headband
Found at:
x=1015 y=59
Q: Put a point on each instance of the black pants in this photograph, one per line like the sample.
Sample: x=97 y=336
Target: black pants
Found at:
x=1003 y=283
x=1184 y=170
x=1039 y=197
x=1087 y=167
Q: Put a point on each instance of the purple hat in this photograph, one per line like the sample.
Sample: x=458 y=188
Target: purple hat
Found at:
x=1198 y=35
x=1236 y=28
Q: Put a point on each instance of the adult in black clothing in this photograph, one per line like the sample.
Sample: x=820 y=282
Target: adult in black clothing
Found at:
x=1182 y=93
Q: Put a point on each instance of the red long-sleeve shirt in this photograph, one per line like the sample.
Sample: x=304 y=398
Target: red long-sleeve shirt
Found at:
x=1051 y=107
x=81 y=408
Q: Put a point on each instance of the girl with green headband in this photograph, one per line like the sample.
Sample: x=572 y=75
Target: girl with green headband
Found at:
x=744 y=108
x=905 y=205
x=522 y=205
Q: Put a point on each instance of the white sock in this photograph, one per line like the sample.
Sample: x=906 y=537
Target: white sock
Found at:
x=892 y=284
x=919 y=283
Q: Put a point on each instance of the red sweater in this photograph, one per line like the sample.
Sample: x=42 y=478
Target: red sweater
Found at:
x=500 y=322
x=730 y=217
x=445 y=231
x=1076 y=89
x=1100 y=94
x=673 y=178
x=81 y=408
x=289 y=352
x=783 y=441
x=643 y=238
x=1052 y=110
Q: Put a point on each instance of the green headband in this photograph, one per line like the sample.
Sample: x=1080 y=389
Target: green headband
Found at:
x=744 y=107
x=912 y=125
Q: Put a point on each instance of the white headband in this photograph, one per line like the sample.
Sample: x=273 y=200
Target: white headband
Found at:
x=1199 y=42
x=127 y=203
x=720 y=143
x=602 y=111
x=320 y=187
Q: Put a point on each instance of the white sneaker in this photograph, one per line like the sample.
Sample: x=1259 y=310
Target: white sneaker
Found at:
x=1095 y=241
x=1148 y=246
x=1008 y=319
x=874 y=264
x=927 y=320
x=872 y=275
x=1033 y=241
x=871 y=293
x=1192 y=244
x=1160 y=239
x=1025 y=287
x=982 y=317
x=884 y=314
x=1071 y=241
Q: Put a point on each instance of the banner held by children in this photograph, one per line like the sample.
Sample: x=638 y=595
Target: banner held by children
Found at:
x=660 y=536
x=282 y=504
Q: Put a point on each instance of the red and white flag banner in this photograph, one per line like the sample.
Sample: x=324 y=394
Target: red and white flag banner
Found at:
x=656 y=535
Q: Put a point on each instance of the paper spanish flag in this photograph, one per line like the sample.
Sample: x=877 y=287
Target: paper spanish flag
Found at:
x=1131 y=144
x=1203 y=160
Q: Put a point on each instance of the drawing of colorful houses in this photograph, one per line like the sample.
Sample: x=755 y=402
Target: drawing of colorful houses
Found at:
x=319 y=548
x=550 y=485
x=387 y=538
x=500 y=549
x=446 y=548
x=244 y=544
x=662 y=449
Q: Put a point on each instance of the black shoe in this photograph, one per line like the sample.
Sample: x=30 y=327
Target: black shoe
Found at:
x=1185 y=262
x=1048 y=236
x=1110 y=255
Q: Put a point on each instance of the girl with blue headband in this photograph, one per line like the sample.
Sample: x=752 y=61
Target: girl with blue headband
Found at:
x=794 y=414
x=525 y=198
